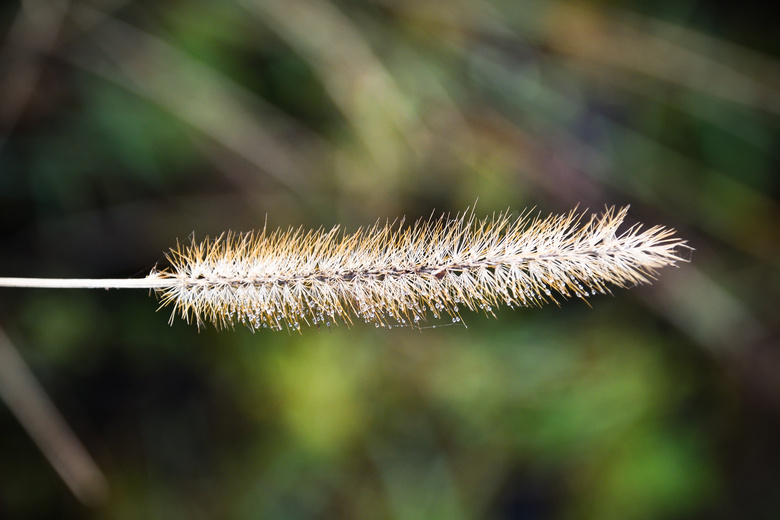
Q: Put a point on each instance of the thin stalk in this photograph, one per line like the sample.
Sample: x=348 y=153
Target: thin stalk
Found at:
x=150 y=282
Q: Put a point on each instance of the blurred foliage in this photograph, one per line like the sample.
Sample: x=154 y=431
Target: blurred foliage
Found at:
x=128 y=124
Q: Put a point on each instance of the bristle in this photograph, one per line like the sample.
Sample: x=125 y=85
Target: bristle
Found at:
x=403 y=275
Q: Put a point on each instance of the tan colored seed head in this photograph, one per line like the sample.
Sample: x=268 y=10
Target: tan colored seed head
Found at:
x=400 y=275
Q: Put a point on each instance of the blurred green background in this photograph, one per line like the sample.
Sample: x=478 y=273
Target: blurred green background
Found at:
x=126 y=125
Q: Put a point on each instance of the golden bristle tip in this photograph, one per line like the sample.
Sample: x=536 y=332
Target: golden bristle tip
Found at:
x=395 y=275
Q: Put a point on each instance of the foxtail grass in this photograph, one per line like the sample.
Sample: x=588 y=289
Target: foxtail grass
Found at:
x=392 y=274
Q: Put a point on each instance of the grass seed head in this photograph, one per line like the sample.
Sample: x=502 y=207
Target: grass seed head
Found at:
x=392 y=274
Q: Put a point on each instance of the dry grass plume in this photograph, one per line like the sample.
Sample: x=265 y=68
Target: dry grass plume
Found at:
x=392 y=274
